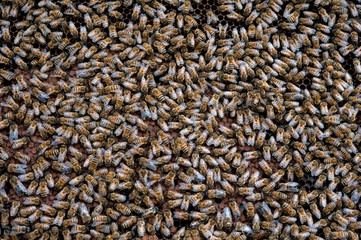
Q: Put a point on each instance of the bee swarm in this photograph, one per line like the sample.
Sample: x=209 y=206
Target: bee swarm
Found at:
x=180 y=119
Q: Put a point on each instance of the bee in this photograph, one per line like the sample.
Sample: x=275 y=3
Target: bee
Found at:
x=339 y=234
x=355 y=225
x=32 y=187
x=234 y=208
x=35 y=216
x=17 y=168
x=329 y=207
x=265 y=167
x=27 y=211
x=269 y=186
x=122 y=209
x=347 y=201
x=287 y=208
x=6 y=74
x=7 y=51
x=20 y=62
x=141 y=227
x=23 y=158
x=72 y=209
x=250 y=210
x=216 y=193
x=158 y=221
x=34 y=234
x=18 y=51
x=14 y=209
x=163 y=137
x=129 y=222
x=169 y=179
x=156 y=147
x=62 y=181
x=43 y=189
x=341 y=220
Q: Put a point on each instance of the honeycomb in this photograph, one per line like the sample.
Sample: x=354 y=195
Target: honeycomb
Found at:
x=230 y=119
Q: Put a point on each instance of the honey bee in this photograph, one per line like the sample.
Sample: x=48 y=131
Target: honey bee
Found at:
x=288 y=209
x=329 y=207
x=35 y=216
x=215 y=193
x=15 y=206
x=43 y=189
x=34 y=234
x=234 y=208
x=17 y=168
x=77 y=229
x=27 y=211
x=32 y=187
x=129 y=222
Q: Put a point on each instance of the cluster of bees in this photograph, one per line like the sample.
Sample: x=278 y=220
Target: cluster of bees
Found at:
x=173 y=125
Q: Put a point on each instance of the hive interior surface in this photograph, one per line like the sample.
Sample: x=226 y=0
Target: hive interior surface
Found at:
x=180 y=119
